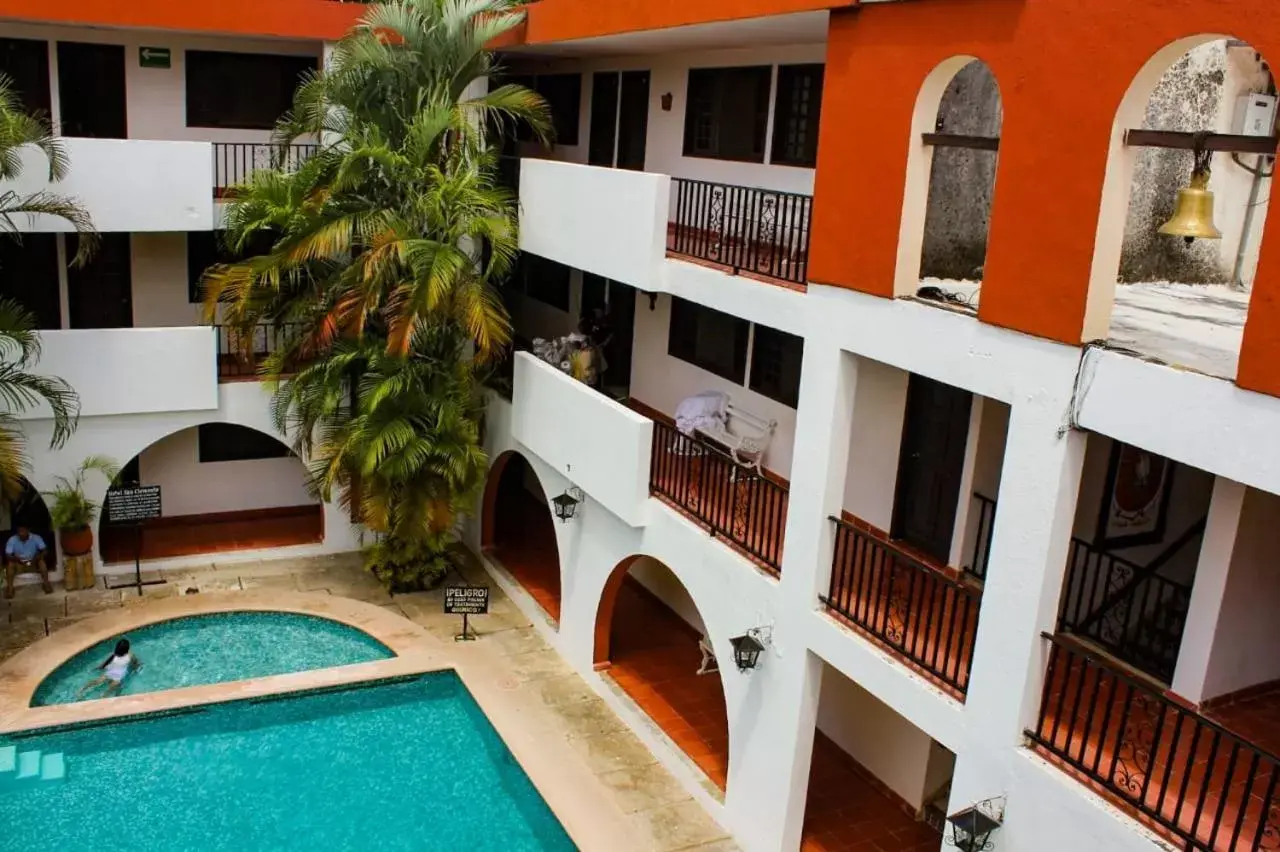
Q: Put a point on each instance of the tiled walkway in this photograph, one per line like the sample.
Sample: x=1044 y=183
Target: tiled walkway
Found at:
x=654 y=655
x=845 y=812
x=1256 y=719
x=190 y=535
x=661 y=815
x=525 y=544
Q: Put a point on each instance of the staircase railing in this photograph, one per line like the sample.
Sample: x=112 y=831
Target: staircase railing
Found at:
x=1214 y=790
x=916 y=611
x=1128 y=609
x=743 y=227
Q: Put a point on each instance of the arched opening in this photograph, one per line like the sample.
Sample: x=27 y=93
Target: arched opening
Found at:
x=223 y=487
x=1177 y=300
x=650 y=639
x=518 y=532
x=29 y=510
x=962 y=179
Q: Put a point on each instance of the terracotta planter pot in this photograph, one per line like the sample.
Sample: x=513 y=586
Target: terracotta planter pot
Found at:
x=77 y=542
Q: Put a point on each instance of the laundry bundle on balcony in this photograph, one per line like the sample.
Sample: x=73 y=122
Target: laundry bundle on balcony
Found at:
x=707 y=411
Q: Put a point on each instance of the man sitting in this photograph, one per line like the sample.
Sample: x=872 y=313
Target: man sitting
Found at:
x=25 y=552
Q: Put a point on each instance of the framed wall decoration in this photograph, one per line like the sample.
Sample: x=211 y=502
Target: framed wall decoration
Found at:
x=1135 y=499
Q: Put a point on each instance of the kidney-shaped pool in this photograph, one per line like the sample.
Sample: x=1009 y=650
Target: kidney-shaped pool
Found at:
x=216 y=648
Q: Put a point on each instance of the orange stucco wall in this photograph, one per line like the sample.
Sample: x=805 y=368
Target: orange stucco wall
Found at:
x=1063 y=68
x=299 y=19
x=563 y=20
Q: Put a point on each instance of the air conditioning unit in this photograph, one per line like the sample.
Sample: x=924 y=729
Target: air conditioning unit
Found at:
x=1255 y=115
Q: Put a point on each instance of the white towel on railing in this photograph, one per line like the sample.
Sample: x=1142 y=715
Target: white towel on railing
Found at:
x=705 y=410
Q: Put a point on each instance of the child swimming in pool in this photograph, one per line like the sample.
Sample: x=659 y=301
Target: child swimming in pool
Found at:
x=114 y=670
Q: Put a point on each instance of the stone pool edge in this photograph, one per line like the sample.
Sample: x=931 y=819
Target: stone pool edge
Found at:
x=572 y=792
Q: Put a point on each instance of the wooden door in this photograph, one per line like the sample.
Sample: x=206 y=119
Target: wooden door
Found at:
x=633 y=120
x=930 y=466
x=100 y=294
x=91 y=90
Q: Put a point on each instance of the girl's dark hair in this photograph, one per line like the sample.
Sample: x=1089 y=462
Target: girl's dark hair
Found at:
x=122 y=647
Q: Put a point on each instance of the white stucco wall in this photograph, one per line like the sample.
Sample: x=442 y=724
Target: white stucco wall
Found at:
x=879 y=409
x=160 y=281
x=190 y=487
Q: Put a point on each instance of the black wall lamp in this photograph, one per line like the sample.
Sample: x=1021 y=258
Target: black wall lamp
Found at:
x=747 y=649
x=971 y=828
x=566 y=504
x=666 y=102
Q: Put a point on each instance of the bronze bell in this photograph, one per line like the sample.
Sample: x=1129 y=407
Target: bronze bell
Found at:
x=1193 y=211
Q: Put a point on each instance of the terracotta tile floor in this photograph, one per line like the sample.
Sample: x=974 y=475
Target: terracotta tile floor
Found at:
x=1256 y=719
x=716 y=492
x=1119 y=736
x=188 y=535
x=845 y=812
x=525 y=544
x=654 y=655
x=762 y=260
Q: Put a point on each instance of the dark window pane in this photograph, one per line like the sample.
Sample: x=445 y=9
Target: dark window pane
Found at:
x=795 y=117
x=547 y=281
x=26 y=62
x=29 y=276
x=709 y=339
x=775 y=365
x=727 y=112
x=241 y=90
x=220 y=442
x=563 y=94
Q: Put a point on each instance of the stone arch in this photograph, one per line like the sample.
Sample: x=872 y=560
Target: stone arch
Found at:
x=517 y=534
x=307 y=527
x=938 y=85
x=1117 y=253
x=657 y=663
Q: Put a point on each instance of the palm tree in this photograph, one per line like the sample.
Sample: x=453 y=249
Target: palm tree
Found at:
x=386 y=245
x=22 y=391
x=19 y=129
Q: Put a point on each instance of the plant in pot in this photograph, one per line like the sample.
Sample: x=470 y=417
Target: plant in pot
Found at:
x=71 y=511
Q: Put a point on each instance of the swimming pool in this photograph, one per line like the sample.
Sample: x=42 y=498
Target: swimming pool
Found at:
x=411 y=764
x=216 y=648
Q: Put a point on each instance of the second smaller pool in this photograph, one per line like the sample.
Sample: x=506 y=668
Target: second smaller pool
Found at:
x=216 y=648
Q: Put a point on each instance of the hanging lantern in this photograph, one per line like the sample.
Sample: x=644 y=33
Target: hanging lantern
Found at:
x=746 y=651
x=971 y=829
x=1193 y=211
x=565 y=505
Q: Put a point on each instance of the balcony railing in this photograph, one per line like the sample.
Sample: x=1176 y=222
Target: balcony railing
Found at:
x=240 y=353
x=1215 y=791
x=233 y=162
x=1127 y=609
x=915 y=610
x=747 y=229
x=981 y=555
x=734 y=502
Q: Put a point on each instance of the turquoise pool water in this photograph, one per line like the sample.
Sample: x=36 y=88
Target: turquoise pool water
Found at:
x=406 y=765
x=217 y=648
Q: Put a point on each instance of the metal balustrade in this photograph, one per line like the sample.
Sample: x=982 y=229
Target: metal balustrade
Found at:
x=241 y=352
x=917 y=611
x=233 y=162
x=1212 y=789
x=745 y=228
x=734 y=502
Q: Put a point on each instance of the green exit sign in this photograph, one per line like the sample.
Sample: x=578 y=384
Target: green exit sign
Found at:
x=154 y=57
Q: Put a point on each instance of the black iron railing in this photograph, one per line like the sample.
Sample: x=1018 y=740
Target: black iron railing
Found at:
x=982 y=537
x=240 y=353
x=915 y=610
x=734 y=502
x=233 y=162
x=1127 y=609
x=1214 y=790
x=744 y=228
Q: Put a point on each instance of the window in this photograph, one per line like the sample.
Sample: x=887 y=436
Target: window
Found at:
x=547 y=281
x=27 y=64
x=708 y=339
x=241 y=90
x=727 y=113
x=775 y=365
x=206 y=248
x=222 y=442
x=563 y=94
x=795 y=115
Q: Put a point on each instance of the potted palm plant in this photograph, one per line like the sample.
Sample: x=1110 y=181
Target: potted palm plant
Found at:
x=71 y=510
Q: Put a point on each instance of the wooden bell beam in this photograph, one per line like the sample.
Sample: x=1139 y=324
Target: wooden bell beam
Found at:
x=1224 y=142
x=960 y=140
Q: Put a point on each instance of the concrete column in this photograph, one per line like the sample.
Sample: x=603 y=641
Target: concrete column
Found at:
x=1034 y=516
x=340 y=535
x=1210 y=588
x=771 y=773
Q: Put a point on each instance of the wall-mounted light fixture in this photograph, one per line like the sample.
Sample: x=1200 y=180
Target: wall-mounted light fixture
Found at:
x=653 y=301
x=566 y=504
x=747 y=649
x=666 y=102
x=972 y=827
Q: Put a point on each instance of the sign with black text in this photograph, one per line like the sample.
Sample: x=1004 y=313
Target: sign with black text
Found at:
x=466 y=600
x=133 y=505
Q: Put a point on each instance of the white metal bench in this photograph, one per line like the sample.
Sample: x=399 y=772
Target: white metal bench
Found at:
x=745 y=435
